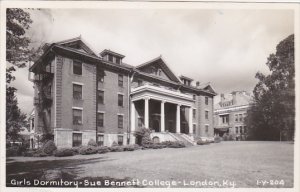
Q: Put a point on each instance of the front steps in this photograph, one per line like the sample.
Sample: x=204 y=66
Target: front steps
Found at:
x=167 y=136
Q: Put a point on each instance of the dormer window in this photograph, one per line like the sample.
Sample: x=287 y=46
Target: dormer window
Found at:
x=111 y=56
x=186 y=81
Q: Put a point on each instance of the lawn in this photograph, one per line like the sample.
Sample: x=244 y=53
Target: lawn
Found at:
x=226 y=164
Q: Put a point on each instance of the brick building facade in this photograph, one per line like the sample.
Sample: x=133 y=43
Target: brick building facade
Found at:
x=230 y=114
x=81 y=96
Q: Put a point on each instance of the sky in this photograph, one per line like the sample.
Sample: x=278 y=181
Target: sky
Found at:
x=223 y=47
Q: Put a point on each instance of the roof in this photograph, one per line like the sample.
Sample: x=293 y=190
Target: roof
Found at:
x=242 y=98
x=164 y=66
x=185 y=77
x=105 y=51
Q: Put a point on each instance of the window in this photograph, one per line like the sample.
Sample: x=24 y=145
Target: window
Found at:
x=206 y=100
x=241 y=129
x=118 y=60
x=120 y=121
x=206 y=114
x=100 y=140
x=194 y=113
x=236 y=118
x=77 y=117
x=77 y=139
x=77 y=92
x=240 y=117
x=194 y=97
x=245 y=129
x=110 y=58
x=100 y=96
x=120 y=100
x=77 y=68
x=225 y=119
x=194 y=128
x=236 y=130
x=120 y=81
x=206 y=128
x=140 y=122
x=120 y=140
x=100 y=119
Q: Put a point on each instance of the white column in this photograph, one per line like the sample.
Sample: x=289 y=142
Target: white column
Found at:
x=162 y=116
x=146 y=115
x=132 y=117
x=190 y=120
x=178 y=119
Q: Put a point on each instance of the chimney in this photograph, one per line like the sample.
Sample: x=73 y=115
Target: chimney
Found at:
x=233 y=97
x=222 y=97
x=197 y=84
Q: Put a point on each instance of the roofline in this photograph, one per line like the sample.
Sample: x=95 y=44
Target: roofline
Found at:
x=112 y=52
x=185 y=77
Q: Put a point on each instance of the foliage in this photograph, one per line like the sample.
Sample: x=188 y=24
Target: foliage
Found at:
x=117 y=148
x=13 y=151
x=92 y=142
x=217 y=139
x=144 y=134
x=49 y=147
x=63 y=152
x=17 y=53
x=274 y=96
x=173 y=144
x=87 y=150
x=103 y=149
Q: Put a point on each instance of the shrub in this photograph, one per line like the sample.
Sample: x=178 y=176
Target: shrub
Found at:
x=92 y=142
x=87 y=150
x=63 y=152
x=117 y=148
x=129 y=148
x=75 y=150
x=114 y=144
x=225 y=137
x=13 y=151
x=49 y=147
x=143 y=135
x=217 y=139
x=172 y=144
x=231 y=137
x=203 y=142
x=40 y=153
x=103 y=149
x=29 y=153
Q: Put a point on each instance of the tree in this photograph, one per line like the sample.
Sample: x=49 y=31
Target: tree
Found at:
x=273 y=111
x=18 y=54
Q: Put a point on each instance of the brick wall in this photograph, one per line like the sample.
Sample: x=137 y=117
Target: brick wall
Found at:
x=110 y=107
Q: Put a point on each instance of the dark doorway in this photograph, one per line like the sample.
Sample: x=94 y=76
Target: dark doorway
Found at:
x=156 y=125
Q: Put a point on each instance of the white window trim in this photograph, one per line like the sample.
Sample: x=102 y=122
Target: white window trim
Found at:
x=119 y=93
x=77 y=83
x=100 y=111
x=78 y=108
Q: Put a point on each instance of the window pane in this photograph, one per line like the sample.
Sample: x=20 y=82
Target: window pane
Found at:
x=100 y=96
x=77 y=117
x=100 y=140
x=110 y=58
x=100 y=119
x=194 y=113
x=77 y=139
x=120 y=121
x=120 y=82
x=118 y=60
x=120 y=100
x=206 y=100
x=77 y=91
x=206 y=114
x=77 y=67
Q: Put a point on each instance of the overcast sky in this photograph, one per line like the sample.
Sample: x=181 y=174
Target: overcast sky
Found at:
x=224 y=47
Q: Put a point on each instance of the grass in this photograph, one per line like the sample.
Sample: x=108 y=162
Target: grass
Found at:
x=241 y=162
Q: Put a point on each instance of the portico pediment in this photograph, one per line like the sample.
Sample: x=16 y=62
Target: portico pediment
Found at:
x=159 y=68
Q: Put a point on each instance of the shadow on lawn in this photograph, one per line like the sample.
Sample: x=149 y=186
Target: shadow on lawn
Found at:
x=68 y=170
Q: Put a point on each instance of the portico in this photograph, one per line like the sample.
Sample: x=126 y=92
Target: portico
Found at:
x=161 y=110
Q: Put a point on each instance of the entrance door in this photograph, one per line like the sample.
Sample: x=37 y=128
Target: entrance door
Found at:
x=156 y=125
